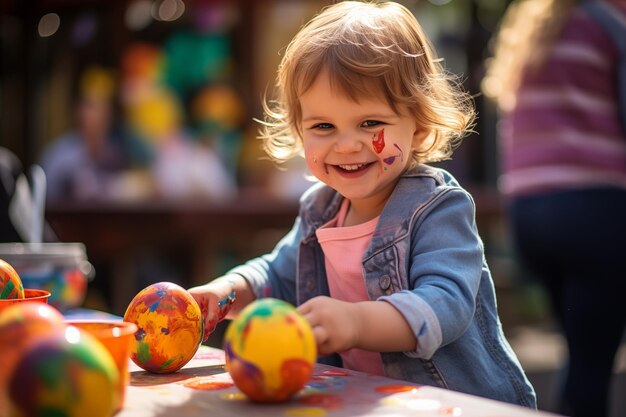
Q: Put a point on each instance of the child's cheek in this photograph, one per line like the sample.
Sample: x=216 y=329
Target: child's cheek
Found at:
x=316 y=166
x=393 y=155
x=311 y=162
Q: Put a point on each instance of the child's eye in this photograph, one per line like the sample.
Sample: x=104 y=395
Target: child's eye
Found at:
x=322 y=126
x=371 y=123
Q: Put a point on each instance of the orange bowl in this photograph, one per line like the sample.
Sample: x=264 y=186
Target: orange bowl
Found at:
x=30 y=294
x=117 y=338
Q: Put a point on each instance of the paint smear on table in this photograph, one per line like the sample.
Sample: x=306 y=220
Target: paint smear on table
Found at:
x=305 y=412
x=233 y=396
x=395 y=388
x=333 y=372
x=326 y=401
x=325 y=383
x=145 y=379
x=207 y=384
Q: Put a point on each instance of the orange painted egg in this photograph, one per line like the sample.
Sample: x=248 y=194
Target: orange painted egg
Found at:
x=10 y=282
x=169 y=327
x=270 y=350
x=69 y=373
x=21 y=325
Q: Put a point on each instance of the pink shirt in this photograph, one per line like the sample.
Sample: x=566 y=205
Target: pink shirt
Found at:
x=343 y=251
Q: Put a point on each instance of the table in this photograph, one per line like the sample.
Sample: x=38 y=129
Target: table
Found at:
x=204 y=388
x=115 y=232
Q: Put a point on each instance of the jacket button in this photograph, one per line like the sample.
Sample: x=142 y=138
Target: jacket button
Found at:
x=385 y=282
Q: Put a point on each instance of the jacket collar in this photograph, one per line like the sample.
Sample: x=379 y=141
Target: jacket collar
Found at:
x=320 y=203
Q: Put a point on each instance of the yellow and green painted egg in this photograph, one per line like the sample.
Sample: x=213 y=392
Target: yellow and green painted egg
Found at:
x=270 y=350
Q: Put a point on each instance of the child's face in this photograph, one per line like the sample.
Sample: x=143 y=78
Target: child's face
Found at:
x=357 y=148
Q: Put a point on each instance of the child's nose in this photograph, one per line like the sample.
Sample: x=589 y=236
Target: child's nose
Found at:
x=348 y=143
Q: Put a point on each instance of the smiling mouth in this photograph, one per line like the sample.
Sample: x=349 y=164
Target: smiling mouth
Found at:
x=353 y=167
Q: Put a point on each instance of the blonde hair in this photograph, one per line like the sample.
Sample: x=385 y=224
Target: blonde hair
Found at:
x=368 y=46
x=526 y=35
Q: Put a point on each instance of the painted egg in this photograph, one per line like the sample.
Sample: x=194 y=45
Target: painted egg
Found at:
x=270 y=350
x=21 y=325
x=169 y=327
x=10 y=282
x=67 y=374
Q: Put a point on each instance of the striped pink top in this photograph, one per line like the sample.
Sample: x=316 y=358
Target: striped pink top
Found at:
x=565 y=131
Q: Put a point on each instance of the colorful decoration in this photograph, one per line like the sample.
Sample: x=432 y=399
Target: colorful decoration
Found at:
x=218 y=109
x=66 y=283
x=10 y=282
x=68 y=373
x=170 y=327
x=59 y=268
x=21 y=324
x=270 y=350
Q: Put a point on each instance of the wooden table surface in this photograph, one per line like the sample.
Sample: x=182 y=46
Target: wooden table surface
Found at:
x=204 y=388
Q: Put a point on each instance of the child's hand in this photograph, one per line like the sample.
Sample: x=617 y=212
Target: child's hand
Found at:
x=215 y=300
x=376 y=326
x=336 y=324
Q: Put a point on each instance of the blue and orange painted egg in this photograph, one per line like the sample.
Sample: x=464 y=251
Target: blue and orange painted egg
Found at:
x=270 y=350
x=170 y=327
x=68 y=373
x=10 y=282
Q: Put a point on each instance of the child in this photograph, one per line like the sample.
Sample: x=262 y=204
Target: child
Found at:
x=384 y=259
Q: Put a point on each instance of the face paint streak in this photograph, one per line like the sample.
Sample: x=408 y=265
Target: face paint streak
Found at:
x=401 y=153
x=391 y=159
x=378 y=141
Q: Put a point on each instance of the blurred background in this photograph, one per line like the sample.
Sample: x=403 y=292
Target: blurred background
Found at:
x=141 y=113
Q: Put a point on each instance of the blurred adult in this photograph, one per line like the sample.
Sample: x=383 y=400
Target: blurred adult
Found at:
x=563 y=169
x=84 y=162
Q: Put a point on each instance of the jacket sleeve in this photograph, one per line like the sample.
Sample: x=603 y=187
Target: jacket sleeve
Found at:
x=445 y=271
x=274 y=274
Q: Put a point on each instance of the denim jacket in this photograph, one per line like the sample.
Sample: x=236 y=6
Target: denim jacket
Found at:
x=425 y=258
